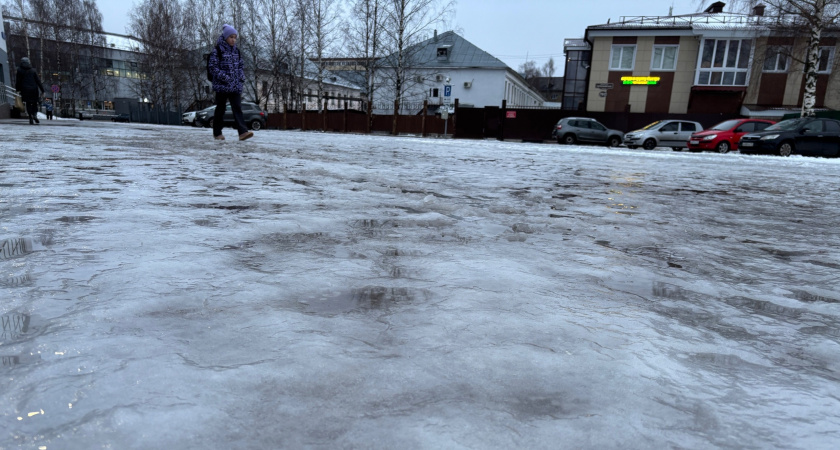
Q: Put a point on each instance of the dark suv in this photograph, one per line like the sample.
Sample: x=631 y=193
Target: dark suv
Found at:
x=252 y=114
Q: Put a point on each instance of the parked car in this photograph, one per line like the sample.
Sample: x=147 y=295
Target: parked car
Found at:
x=582 y=129
x=251 y=112
x=663 y=133
x=121 y=118
x=725 y=135
x=806 y=136
x=188 y=118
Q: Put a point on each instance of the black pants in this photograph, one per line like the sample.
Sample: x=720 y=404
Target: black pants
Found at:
x=32 y=108
x=49 y=115
x=235 y=105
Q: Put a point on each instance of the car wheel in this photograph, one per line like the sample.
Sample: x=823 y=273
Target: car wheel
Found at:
x=785 y=148
x=569 y=139
x=256 y=125
x=723 y=147
x=613 y=141
x=210 y=123
x=649 y=144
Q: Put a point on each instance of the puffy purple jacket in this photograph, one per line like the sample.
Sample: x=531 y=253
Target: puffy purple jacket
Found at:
x=229 y=72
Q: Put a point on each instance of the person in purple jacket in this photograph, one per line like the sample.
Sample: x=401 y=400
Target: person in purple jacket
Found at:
x=228 y=72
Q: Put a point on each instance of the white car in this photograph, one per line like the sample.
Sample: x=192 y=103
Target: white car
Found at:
x=188 y=118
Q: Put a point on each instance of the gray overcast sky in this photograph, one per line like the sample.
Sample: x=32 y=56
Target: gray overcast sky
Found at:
x=510 y=30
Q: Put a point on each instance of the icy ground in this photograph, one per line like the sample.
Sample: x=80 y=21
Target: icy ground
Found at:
x=164 y=291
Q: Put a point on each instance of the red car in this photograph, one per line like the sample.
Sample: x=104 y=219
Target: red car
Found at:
x=725 y=135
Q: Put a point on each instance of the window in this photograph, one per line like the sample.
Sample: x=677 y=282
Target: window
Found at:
x=760 y=126
x=724 y=62
x=622 y=57
x=776 y=59
x=688 y=126
x=826 y=59
x=746 y=127
x=664 y=57
x=596 y=126
x=814 y=127
x=673 y=126
x=832 y=126
x=433 y=93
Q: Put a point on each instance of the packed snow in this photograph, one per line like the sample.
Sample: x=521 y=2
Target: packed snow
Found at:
x=303 y=289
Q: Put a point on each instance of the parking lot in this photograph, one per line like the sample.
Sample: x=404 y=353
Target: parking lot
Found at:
x=307 y=289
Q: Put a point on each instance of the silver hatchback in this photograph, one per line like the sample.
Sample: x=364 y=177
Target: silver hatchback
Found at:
x=664 y=133
x=571 y=130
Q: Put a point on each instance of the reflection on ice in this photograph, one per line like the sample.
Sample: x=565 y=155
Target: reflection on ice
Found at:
x=364 y=299
x=14 y=325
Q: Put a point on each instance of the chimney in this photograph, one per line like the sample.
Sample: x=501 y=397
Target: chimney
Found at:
x=758 y=10
x=435 y=35
x=717 y=7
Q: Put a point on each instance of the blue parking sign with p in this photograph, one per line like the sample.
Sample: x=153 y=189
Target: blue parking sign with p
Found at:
x=447 y=90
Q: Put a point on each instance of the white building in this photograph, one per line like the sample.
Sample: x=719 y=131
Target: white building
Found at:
x=449 y=64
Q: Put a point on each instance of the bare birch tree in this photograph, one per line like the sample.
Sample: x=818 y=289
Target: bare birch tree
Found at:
x=795 y=19
x=408 y=22
x=323 y=25
x=811 y=18
x=363 y=32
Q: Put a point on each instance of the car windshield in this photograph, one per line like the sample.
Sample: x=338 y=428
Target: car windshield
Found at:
x=725 y=125
x=648 y=127
x=786 y=125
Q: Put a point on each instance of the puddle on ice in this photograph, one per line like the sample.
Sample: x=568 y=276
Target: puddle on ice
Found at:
x=721 y=360
x=808 y=297
x=363 y=299
x=76 y=219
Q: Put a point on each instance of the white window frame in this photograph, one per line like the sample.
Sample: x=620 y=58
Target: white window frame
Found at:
x=779 y=55
x=830 y=63
x=661 y=62
x=621 y=48
x=723 y=70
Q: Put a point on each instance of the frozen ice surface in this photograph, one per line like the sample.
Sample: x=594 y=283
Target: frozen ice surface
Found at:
x=162 y=290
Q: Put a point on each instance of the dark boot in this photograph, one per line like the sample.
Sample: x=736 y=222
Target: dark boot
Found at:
x=36 y=120
x=30 y=121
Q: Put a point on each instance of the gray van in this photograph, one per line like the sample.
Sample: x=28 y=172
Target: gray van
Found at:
x=663 y=133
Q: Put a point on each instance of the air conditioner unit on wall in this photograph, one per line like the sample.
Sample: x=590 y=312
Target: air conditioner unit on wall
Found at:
x=438 y=77
x=419 y=78
x=468 y=84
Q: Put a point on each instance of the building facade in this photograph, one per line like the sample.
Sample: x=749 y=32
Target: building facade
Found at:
x=711 y=62
x=448 y=67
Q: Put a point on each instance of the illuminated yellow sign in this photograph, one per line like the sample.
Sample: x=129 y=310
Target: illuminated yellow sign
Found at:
x=639 y=80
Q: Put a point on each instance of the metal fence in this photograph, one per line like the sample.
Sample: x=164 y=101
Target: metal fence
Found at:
x=144 y=113
x=7 y=94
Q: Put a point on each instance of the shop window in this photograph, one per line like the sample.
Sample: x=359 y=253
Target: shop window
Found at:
x=724 y=62
x=622 y=57
x=776 y=59
x=826 y=59
x=664 y=57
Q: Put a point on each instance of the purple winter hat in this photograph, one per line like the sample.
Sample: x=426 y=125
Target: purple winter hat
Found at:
x=227 y=30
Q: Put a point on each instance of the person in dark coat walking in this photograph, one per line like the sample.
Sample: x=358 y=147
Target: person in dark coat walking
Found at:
x=228 y=72
x=28 y=84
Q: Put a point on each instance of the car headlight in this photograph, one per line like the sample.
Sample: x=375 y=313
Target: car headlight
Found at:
x=769 y=137
x=710 y=137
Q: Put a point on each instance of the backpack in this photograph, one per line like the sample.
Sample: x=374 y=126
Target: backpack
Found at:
x=218 y=58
